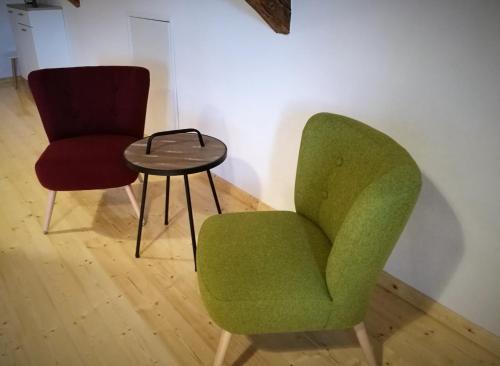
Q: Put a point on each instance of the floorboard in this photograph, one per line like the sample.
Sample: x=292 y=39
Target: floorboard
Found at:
x=77 y=296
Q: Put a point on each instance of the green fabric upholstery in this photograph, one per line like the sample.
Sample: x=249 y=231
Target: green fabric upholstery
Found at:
x=270 y=266
x=266 y=272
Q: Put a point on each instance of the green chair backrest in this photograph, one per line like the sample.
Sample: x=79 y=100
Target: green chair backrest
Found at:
x=360 y=187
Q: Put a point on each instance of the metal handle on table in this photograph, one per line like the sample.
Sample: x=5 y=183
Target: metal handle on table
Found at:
x=173 y=132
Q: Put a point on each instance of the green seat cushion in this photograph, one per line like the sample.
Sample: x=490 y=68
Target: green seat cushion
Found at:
x=264 y=272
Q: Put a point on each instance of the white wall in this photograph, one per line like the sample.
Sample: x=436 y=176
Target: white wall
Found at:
x=7 y=44
x=425 y=72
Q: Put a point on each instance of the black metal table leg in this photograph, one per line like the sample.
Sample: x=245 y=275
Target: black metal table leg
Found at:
x=212 y=185
x=167 y=198
x=141 y=216
x=191 y=223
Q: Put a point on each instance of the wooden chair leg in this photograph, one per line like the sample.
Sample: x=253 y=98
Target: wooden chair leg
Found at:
x=139 y=177
x=364 y=341
x=133 y=200
x=48 y=211
x=225 y=337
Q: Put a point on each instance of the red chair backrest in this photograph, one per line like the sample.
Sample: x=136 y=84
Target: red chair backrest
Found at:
x=91 y=100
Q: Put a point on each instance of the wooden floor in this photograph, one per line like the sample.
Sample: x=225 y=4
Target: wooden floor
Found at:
x=79 y=297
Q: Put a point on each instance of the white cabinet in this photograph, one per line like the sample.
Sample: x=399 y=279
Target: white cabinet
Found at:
x=26 y=49
x=40 y=37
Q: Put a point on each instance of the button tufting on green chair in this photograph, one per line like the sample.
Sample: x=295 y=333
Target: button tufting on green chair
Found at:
x=269 y=272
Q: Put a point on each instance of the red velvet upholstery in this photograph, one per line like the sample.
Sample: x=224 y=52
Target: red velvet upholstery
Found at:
x=91 y=100
x=87 y=162
x=90 y=115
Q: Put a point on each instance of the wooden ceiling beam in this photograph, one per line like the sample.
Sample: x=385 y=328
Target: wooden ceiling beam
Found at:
x=276 y=13
x=75 y=3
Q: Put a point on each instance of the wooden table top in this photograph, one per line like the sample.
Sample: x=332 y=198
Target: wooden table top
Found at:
x=177 y=154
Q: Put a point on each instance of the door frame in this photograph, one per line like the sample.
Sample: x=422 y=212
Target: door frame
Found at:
x=171 y=59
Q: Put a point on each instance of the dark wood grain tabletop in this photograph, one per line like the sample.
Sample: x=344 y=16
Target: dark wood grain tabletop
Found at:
x=176 y=154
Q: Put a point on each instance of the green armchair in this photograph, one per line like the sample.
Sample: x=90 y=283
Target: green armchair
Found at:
x=313 y=269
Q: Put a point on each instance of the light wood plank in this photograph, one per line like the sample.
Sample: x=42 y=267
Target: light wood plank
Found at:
x=77 y=296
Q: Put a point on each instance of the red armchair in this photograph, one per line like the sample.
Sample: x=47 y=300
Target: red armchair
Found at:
x=90 y=115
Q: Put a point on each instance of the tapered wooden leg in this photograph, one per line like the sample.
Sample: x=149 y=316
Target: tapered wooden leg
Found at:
x=139 y=177
x=364 y=341
x=133 y=200
x=48 y=211
x=225 y=337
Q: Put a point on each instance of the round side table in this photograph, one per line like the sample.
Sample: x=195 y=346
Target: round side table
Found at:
x=170 y=153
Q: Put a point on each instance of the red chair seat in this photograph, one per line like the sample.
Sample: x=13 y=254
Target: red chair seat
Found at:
x=85 y=162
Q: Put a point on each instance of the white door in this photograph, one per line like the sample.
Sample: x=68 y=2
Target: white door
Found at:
x=151 y=48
